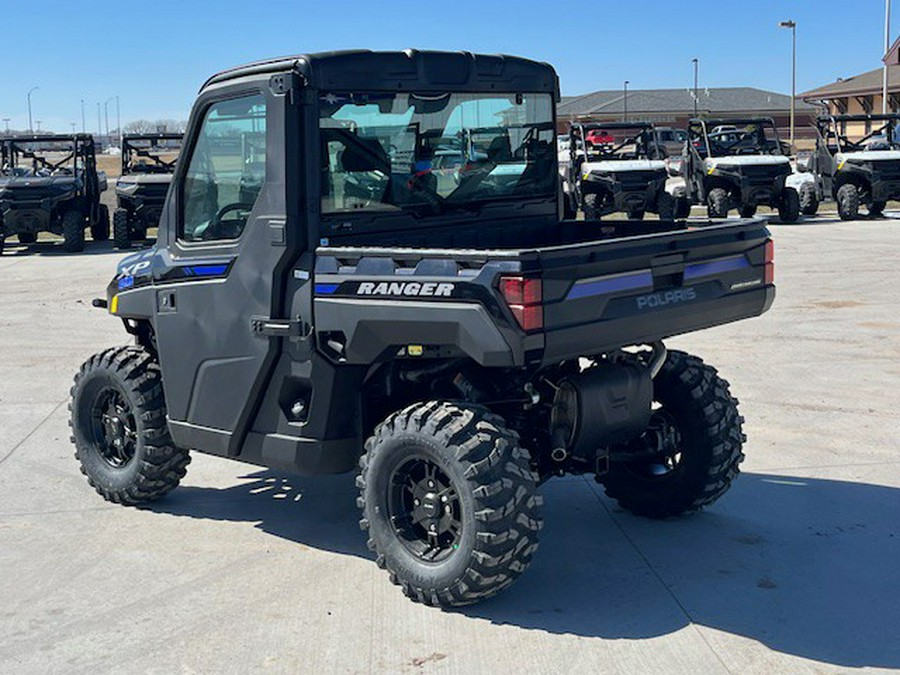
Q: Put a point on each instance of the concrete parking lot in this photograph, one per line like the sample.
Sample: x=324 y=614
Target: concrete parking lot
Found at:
x=797 y=569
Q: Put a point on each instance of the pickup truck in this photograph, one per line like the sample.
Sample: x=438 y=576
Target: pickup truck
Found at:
x=319 y=301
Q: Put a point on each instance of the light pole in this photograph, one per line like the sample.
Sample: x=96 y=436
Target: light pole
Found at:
x=30 y=124
x=73 y=125
x=6 y=122
x=793 y=26
x=38 y=123
x=106 y=115
x=625 y=101
x=887 y=46
x=118 y=121
x=696 y=63
x=99 y=122
x=83 y=125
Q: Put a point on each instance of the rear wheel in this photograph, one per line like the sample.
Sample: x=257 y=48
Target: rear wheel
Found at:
x=449 y=502
x=591 y=212
x=876 y=209
x=100 y=229
x=690 y=454
x=848 y=202
x=789 y=206
x=636 y=214
x=809 y=200
x=121 y=229
x=747 y=211
x=73 y=231
x=27 y=237
x=717 y=203
x=119 y=427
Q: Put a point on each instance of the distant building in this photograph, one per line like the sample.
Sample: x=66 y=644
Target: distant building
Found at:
x=674 y=107
x=861 y=94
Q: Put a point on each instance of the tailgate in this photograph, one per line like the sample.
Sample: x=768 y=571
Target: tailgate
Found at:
x=600 y=296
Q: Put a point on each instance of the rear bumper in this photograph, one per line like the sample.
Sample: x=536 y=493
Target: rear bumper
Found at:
x=624 y=329
x=25 y=217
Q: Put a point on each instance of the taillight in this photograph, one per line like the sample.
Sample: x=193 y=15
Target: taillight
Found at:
x=769 y=278
x=523 y=297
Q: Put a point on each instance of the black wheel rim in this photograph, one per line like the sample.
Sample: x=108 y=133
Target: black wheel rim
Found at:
x=663 y=445
x=424 y=509
x=113 y=427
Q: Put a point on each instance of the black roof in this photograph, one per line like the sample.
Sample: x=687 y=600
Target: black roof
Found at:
x=46 y=138
x=412 y=70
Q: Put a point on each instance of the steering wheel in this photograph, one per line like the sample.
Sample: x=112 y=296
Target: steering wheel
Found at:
x=215 y=225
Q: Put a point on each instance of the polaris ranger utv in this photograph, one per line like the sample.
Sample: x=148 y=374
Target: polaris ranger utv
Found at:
x=853 y=172
x=50 y=183
x=148 y=161
x=616 y=167
x=738 y=163
x=327 y=301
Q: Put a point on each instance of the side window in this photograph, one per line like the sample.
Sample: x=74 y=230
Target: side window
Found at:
x=227 y=170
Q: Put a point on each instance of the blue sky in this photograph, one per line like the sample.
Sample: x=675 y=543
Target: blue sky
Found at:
x=94 y=50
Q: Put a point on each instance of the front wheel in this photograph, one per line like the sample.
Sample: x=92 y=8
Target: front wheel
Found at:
x=747 y=211
x=690 y=454
x=449 y=501
x=119 y=427
x=73 y=231
x=717 y=203
x=121 y=229
x=848 y=202
x=591 y=206
x=789 y=206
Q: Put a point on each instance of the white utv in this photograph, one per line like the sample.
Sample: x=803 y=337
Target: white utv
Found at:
x=617 y=168
x=858 y=172
x=739 y=164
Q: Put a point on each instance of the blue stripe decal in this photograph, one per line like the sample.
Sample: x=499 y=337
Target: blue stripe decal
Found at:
x=326 y=289
x=715 y=267
x=606 y=285
x=207 y=270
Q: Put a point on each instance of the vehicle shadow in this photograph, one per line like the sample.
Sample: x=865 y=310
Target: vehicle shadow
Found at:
x=54 y=249
x=807 y=567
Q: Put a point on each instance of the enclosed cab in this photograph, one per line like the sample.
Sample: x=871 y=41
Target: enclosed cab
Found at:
x=148 y=161
x=739 y=164
x=856 y=162
x=617 y=167
x=360 y=267
x=50 y=183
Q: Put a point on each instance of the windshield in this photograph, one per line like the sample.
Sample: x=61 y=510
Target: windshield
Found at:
x=860 y=135
x=615 y=143
x=384 y=152
x=39 y=158
x=150 y=155
x=752 y=138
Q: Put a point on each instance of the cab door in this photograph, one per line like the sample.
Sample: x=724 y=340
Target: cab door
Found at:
x=219 y=295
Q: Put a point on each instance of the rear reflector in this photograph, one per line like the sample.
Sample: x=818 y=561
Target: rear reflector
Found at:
x=769 y=278
x=523 y=296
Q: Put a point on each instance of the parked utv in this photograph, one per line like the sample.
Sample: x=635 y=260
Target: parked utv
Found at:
x=327 y=301
x=50 y=183
x=741 y=164
x=148 y=161
x=616 y=167
x=853 y=172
